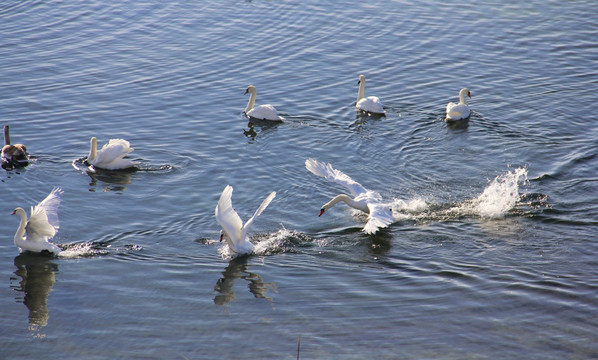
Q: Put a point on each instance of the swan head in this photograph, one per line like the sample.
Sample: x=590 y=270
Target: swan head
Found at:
x=250 y=90
x=18 y=211
x=361 y=79
x=464 y=92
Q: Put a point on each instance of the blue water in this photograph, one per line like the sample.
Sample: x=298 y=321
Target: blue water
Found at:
x=493 y=254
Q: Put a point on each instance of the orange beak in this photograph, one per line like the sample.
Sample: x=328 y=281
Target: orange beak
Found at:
x=321 y=212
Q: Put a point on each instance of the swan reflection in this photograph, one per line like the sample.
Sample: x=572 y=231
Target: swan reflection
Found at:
x=237 y=268
x=111 y=180
x=37 y=278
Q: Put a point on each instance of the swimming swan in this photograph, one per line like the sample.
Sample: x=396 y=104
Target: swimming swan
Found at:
x=16 y=154
x=370 y=104
x=380 y=215
x=33 y=235
x=261 y=112
x=458 y=111
x=110 y=156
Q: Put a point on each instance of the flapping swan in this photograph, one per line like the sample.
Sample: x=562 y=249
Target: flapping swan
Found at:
x=458 y=111
x=233 y=229
x=380 y=215
x=33 y=235
x=261 y=112
x=110 y=156
x=370 y=104
x=16 y=154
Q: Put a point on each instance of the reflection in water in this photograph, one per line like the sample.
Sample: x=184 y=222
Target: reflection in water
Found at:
x=237 y=268
x=111 y=180
x=37 y=278
x=462 y=124
x=263 y=126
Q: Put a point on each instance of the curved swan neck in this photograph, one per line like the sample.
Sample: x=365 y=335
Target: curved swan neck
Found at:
x=20 y=234
x=348 y=200
x=361 y=92
x=252 y=95
x=93 y=149
x=462 y=94
x=6 y=135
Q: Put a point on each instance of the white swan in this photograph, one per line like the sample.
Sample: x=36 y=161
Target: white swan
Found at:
x=458 y=111
x=110 y=156
x=233 y=229
x=42 y=225
x=380 y=215
x=261 y=112
x=13 y=154
x=370 y=104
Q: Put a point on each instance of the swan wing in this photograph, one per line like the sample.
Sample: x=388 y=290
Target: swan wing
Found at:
x=370 y=104
x=380 y=217
x=329 y=173
x=43 y=222
x=457 y=111
x=113 y=150
x=264 y=112
x=227 y=217
x=257 y=213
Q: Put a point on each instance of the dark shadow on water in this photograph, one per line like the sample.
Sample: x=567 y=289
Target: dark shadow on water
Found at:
x=237 y=269
x=458 y=125
x=35 y=276
x=259 y=127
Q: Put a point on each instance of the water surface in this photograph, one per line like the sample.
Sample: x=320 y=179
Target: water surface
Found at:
x=493 y=252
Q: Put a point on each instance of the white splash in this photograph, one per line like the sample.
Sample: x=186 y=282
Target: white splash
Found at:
x=266 y=244
x=402 y=210
x=500 y=196
x=72 y=251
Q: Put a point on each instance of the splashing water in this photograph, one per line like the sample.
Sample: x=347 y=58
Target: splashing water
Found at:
x=266 y=244
x=500 y=196
x=90 y=249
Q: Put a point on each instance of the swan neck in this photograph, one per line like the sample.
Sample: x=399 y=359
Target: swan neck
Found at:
x=93 y=149
x=251 y=102
x=462 y=98
x=348 y=200
x=20 y=234
x=6 y=135
x=361 y=92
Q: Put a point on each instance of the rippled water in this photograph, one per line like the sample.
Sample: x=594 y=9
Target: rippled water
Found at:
x=493 y=251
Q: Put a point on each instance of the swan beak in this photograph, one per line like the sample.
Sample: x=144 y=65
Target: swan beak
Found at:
x=13 y=212
x=246 y=91
x=221 y=237
x=469 y=94
x=321 y=212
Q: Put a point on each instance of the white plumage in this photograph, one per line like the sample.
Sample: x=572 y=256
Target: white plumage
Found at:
x=380 y=215
x=461 y=110
x=233 y=229
x=370 y=104
x=33 y=235
x=261 y=112
x=111 y=155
